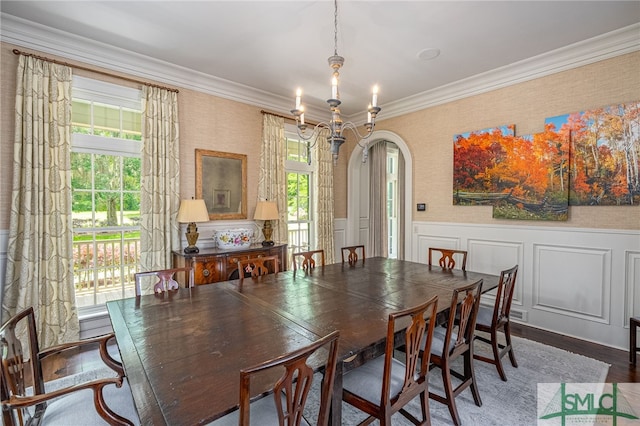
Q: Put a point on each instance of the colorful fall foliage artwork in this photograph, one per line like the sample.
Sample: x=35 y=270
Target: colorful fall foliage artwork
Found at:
x=585 y=158
x=522 y=177
x=605 y=146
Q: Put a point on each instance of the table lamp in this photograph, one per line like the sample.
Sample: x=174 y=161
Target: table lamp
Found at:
x=192 y=211
x=267 y=211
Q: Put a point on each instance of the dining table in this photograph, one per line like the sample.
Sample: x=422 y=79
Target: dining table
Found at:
x=182 y=350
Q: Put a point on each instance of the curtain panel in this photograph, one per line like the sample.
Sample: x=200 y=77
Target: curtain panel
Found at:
x=272 y=180
x=40 y=248
x=324 y=197
x=378 y=243
x=160 y=181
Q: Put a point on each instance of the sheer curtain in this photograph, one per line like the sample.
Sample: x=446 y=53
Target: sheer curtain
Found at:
x=324 y=197
x=39 y=254
x=160 y=186
x=272 y=183
x=378 y=243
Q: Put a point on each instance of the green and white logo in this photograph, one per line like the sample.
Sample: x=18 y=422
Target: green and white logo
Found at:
x=588 y=403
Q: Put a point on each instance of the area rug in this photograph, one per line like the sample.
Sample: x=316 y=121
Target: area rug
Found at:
x=513 y=402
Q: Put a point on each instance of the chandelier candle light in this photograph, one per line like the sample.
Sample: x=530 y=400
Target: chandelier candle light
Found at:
x=335 y=125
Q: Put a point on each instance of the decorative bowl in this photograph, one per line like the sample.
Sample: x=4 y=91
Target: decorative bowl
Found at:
x=233 y=238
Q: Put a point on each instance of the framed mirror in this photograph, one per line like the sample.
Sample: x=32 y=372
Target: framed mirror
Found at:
x=221 y=181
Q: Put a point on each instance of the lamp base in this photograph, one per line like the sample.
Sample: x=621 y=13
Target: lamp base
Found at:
x=267 y=243
x=191 y=249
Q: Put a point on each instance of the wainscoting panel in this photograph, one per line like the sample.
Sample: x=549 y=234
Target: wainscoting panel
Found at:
x=572 y=281
x=486 y=255
x=339 y=238
x=632 y=286
x=580 y=282
x=442 y=241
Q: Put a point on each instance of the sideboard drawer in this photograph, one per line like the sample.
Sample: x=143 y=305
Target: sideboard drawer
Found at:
x=207 y=270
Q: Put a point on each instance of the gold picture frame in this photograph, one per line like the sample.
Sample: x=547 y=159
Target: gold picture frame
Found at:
x=221 y=181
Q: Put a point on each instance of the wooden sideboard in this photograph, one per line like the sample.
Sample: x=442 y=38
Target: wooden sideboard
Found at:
x=215 y=265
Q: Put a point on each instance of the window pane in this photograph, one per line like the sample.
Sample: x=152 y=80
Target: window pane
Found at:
x=82 y=209
x=107 y=209
x=81 y=114
x=107 y=172
x=80 y=170
x=131 y=176
x=131 y=201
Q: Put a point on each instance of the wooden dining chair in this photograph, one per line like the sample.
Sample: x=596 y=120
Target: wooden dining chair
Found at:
x=165 y=279
x=456 y=341
x=384 y=385
x=447 y=258
x=306 y=259
x=22 y=390
x=491 y=320
x=287 y=400
x=352 y=254
x=258 y=266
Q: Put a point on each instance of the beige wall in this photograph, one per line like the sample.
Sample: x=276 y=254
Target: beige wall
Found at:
x=210 y=122
x=429 y=136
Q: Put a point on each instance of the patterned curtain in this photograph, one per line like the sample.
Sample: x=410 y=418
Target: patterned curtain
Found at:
x=324 y=197
x=40 y=250
x=272 y=183
x=378 y=243
x=160 y=186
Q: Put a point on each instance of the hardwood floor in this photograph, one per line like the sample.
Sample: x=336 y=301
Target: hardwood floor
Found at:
x=621 y=371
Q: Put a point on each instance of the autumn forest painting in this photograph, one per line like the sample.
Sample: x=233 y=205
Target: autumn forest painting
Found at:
x=585 y=158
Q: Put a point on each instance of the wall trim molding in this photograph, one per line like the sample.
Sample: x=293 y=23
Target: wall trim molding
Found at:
x=38 y=37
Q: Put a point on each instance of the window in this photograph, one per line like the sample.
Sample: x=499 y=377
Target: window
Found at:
x=300 y=189
x=105 y=183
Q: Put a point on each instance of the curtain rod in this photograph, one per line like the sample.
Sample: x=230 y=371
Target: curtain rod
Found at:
x=262 y=111
x=80 y=67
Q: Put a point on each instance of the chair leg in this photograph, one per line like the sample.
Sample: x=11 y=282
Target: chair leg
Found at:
x=470 y=373
x=507 y=336
x=495 y=346
x=632 y=341
x=449 y=395
x=424 y=404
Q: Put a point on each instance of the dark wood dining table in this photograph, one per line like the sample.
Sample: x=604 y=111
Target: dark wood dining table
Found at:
x=182 y=351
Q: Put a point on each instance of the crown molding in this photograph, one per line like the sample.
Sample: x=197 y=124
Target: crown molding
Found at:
x=44 y=39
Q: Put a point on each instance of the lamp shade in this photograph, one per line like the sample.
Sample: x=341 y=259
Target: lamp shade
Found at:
x=266 y=210
x=193 y=211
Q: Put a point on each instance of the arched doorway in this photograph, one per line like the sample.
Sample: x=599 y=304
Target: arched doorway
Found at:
x=358 y=188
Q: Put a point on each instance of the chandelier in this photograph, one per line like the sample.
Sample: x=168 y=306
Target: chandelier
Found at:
x=336 y=125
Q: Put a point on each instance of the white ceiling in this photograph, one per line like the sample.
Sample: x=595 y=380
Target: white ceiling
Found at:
x=278 y=46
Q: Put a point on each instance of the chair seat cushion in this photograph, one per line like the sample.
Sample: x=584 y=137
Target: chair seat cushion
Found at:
x=263 y=412
x=485 y=316
x=366 y=380
x=437 y=343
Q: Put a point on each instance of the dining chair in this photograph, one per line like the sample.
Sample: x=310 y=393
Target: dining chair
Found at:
x=352 y=257
x=634 y=323
x=286 y=401
x=447 y=258
x=25 y=401
x=453 y=341
x=385 y=385
x=306 y=259
x=165 y=279
x=258 y=266
x=491 y=320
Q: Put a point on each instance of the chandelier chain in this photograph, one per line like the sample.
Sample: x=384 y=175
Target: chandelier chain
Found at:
x=335 y=28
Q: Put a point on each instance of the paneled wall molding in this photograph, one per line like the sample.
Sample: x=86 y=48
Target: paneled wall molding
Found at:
x=579 y=282
x=44 y=39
